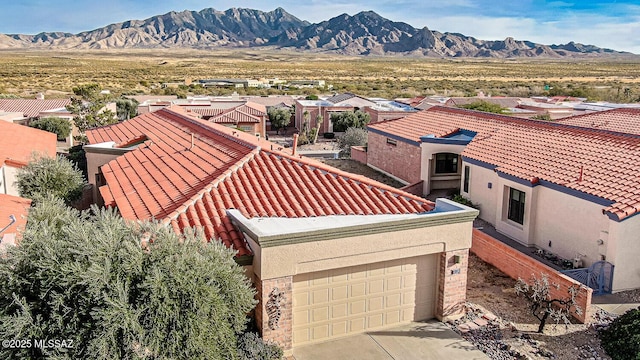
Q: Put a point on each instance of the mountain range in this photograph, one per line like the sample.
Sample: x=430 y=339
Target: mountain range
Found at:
x=365 y=33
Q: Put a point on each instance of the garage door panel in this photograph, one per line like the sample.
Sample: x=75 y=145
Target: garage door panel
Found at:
x=339 y=293
x=393 y=300
x=339 y=311
x=350 y=300
x=359 y=289
x=376 y=286
x=393 y=317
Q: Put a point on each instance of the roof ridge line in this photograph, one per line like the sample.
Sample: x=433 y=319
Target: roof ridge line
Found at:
x=355 y=177
x=213 y=184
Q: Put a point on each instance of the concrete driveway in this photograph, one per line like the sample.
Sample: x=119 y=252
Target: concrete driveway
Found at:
x=419 y=340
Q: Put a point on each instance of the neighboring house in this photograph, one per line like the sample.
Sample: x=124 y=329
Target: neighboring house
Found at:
x=31 y=108
x=555 y=111
x=570 y=190
x=18 y=144
x=330 y=253
x=241 y=114
x=378 y=109
x=13 y=218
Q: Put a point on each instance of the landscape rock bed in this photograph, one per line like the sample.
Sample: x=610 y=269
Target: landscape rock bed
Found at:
x=499 y=323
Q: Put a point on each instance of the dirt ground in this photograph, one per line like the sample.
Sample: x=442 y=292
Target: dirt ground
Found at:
x=490 y=289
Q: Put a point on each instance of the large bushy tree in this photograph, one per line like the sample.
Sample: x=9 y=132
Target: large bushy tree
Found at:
x=119 y=290
x=59 y=126
x=347 y=119
x=486 y=107
x=56 y=176
x=280 y=118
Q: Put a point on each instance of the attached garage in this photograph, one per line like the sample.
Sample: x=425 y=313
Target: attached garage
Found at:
x=333 y=303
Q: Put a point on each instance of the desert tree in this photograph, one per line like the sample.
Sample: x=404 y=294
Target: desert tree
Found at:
x=59 y=126
x=542 y=305
x=126 y=108
x=120 y=290
x=88 y=107
x=280 y=118
x=351 y=137
x=347 y=119
x=486 y=107
x=316 y=130
x=50 y=175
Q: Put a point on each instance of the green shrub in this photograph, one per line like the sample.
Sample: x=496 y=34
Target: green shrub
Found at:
x=59 y=126
x=463 y=200
x=252 y=347
x=55 y=176
x=621 y=340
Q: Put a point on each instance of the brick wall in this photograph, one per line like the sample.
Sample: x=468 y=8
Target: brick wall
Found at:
x=518 y=265
x=415 y=188
x=359 y=154
x=452 y=284
x=280 y=331
x=401 y=160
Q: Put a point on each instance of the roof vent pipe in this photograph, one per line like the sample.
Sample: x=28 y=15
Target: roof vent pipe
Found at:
x=295 y=144
x=581 y=172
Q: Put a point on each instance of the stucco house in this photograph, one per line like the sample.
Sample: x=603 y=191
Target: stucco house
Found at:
x=244 y=115
x=378 y=109
x=330 y=253
x=18 y=144
x=567 y=189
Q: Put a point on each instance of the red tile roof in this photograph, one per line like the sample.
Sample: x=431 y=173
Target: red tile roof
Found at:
x=18 y=143
x=618 y=120
x=16 y=206
x=194 y=186
x=32 y=107
x=539 y=150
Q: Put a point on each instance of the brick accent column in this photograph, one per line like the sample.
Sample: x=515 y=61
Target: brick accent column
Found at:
x=274 y=312
x=452 y=284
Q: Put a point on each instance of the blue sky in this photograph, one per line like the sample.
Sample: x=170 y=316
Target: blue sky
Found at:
x=611 y=24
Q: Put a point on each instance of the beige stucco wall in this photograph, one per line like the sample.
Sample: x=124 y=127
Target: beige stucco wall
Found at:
x=479 y=192
x=293 y=259
x=623 y=251
x=573 y=225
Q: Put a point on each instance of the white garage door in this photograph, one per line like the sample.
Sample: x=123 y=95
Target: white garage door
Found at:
x=351 y=300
